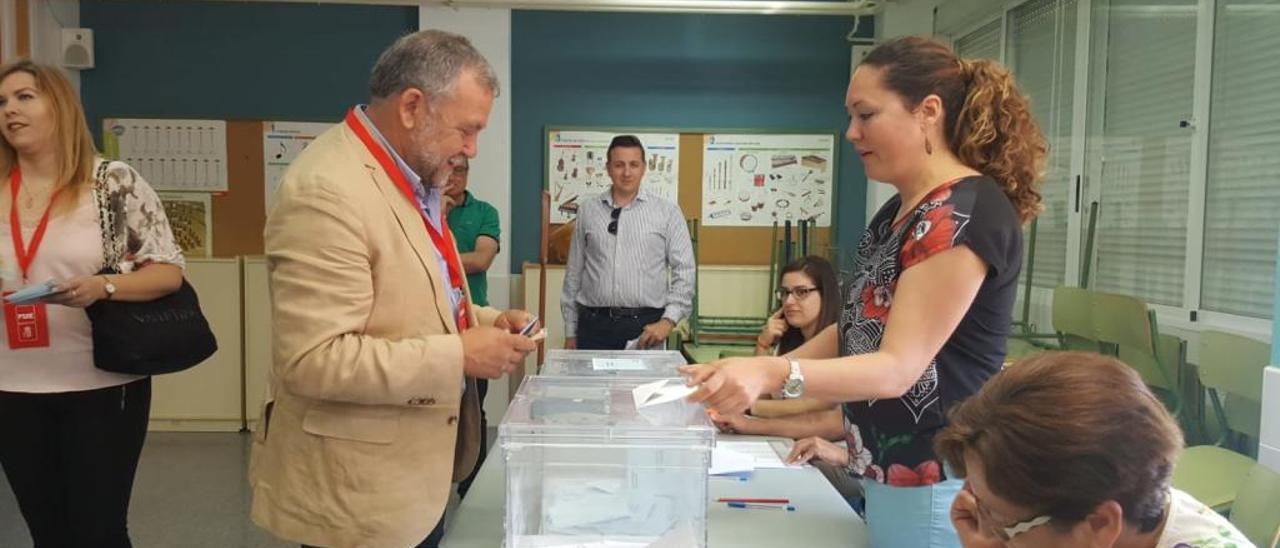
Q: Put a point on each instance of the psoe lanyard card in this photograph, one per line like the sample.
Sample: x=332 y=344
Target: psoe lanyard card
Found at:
x=27 y=325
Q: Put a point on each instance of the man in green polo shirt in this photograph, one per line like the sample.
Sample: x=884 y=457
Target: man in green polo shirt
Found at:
x=475 y=229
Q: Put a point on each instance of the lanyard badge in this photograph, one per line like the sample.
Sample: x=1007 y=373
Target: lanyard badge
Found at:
x=26 y=325
x=441 y=239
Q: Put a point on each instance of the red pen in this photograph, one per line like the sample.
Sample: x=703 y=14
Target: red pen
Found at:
x=755 y=501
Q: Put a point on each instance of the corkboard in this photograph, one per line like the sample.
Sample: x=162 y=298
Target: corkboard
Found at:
x=747 y=245
x=725 y=245
x=239 y=214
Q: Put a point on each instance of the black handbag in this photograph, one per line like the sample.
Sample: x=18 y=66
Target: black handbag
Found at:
x=165 y=335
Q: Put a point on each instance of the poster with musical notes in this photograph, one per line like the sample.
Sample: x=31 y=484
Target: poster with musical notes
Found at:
x=178 y=155
x=281 y=143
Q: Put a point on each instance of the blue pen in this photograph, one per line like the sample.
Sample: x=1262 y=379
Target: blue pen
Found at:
x=788 y=507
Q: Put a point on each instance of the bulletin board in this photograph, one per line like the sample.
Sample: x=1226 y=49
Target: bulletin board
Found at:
x=730 y=245
x=238 y=213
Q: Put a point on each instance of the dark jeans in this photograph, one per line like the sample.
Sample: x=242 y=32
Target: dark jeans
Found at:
x=70 y=458
x=482 y=387
x=601 y=329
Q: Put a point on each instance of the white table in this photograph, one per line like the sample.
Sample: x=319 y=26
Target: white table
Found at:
x=822 y=518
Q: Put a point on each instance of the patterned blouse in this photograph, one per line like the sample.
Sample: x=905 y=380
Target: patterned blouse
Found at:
x=136 y=217
x=1191 y=524
x=891 y=440
x=73 y=247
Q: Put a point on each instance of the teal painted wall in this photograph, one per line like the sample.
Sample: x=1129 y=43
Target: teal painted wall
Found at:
x=233 y=60
x=675 y=71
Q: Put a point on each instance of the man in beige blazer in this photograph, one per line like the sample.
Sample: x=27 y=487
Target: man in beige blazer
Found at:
x=373 y=410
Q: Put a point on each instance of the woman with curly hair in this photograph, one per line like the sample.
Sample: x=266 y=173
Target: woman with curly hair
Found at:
x=928 y=307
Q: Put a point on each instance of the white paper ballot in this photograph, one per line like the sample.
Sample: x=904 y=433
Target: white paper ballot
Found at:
x=634 y=344
x=32 y=293
x=617 y=364
x=766 y=454
x=659 y=392
x=728 y=461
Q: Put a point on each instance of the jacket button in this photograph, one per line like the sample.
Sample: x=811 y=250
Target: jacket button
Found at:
x=431 y=401
x=453 y=420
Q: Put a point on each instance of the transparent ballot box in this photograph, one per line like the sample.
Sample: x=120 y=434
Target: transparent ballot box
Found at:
x=613 y=363
x=587 y=466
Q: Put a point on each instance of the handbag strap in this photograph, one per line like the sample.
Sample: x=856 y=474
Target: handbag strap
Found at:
x=112 y=244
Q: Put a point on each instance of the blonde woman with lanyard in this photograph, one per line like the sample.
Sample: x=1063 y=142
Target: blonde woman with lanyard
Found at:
x=70 y=434
x=929 y=304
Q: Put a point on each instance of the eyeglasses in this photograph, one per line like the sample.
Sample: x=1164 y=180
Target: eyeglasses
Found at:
x=613 y=225
x=1006 y=533
x=800 y=292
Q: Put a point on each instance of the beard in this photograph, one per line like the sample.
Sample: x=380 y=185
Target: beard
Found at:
x=431 y=167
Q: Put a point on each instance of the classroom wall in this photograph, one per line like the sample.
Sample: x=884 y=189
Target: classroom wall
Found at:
x=490 y=178
x=234 y=60
x=674 y=71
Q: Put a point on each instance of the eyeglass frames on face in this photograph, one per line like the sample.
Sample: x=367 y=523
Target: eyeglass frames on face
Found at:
x=800 y=292
x=1006 y=533
x=613 y=225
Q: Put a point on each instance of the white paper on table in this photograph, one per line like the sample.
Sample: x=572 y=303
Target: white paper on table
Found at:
x=659 y=392
x=766 y=455
x=728 y=461
x=617 y=364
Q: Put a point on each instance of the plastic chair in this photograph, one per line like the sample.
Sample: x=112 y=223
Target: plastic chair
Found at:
x=1256 y=512
x=1128 y=331
x=1230 y=365
x=1073 y=311
x=1072 y=317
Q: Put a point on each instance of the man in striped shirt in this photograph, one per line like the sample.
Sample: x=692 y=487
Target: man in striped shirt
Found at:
x=631 y=266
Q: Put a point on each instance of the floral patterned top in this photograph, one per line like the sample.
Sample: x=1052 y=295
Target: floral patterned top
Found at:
x=1191 y=524
x=74 y=246
x=134 y=215
x=891 y=441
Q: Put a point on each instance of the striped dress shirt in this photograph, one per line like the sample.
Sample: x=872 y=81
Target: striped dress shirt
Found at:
x=630 y=269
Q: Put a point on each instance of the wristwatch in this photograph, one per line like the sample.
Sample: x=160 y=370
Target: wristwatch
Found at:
x=109 y=287
x=794 y=385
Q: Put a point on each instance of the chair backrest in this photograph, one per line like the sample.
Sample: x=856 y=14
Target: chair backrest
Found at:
x=1158 y=370
x=1234 y=365
x=1123 y=320
x=1256 y=510
x=1073 y=318
x=1126 y=324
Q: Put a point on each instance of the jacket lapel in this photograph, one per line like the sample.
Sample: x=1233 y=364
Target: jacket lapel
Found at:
x=411 y=226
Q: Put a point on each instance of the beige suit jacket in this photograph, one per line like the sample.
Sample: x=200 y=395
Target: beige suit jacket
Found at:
x=367 y=423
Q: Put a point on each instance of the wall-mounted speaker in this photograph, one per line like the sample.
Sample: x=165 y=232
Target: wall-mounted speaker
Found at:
x=77 y=48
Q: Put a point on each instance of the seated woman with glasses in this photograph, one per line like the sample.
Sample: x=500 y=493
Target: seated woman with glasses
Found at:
x=809 y=301
x=1072 y=449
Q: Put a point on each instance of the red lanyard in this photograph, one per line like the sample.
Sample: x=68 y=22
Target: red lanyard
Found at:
x=443 y=242
x=25 y=254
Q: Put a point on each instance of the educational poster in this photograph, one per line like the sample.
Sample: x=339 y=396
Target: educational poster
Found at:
x=281 y=143
x=754 y=180
x=576 y=167
x=191 y=219
x=178 y=155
